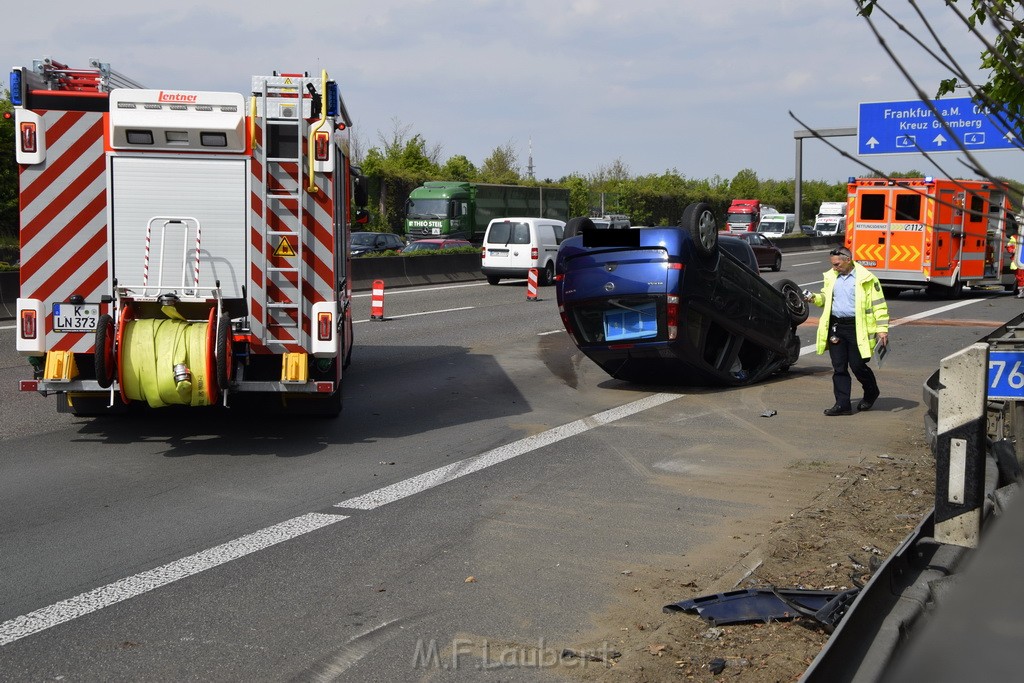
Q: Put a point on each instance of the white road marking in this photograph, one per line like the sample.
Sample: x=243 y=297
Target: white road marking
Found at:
x=443 y=475
x=412 y=315
x=125 y=589
x=133 y=586
x=413 y=290
x=544 y=334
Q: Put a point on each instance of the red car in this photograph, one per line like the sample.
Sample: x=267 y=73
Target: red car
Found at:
x=434 y=245
x=768 y=255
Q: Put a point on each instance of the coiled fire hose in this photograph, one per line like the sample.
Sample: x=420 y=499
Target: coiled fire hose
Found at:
x=164 y=362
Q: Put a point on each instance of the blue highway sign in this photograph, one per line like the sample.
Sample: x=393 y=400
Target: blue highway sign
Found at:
x=911 y=127
x=1006 y=375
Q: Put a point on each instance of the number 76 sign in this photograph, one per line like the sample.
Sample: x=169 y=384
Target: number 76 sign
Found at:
x=1006 y=375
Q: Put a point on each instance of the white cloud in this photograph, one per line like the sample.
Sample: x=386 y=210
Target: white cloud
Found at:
x=704 y=88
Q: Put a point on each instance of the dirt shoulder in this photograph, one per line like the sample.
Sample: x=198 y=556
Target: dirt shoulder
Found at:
x=872 y=500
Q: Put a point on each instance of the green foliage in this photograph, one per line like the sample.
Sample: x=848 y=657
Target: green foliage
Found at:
x=502 y=166
x=460 y=168
x=438 y=252
x=8 y=172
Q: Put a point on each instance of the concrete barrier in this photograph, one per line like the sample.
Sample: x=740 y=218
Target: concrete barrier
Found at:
x=9 y=287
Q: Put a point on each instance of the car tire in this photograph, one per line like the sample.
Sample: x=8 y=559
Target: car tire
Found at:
x=576 y=225
x=795 y=304
x=547 y=274
x=699 y=221
x=777 y=266
x=492 y=280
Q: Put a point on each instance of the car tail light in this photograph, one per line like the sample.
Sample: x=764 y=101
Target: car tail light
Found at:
x=559 y=277
x=672 y=317
x=534 y=253
x=483 y=252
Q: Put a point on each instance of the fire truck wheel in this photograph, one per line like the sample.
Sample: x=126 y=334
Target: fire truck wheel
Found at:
x=104 y=353
x=795 y=304
x=576 y=225
x=699 y=221
x=223 y=353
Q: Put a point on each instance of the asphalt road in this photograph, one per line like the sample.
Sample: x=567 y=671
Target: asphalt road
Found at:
x=486 y=494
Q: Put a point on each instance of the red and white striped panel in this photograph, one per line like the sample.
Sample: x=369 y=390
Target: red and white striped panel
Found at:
x=317 y=269
x=64 y=220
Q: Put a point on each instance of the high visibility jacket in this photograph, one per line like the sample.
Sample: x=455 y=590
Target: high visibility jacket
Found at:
x=871 y=311
x=1011 y=246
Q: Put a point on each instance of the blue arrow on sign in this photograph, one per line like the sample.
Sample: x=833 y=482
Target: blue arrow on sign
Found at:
x=911 y=126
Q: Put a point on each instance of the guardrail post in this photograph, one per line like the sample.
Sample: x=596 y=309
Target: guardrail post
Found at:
x=960 y=446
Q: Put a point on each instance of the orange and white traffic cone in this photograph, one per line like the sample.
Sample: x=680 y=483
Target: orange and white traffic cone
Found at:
x=377 y=300
x=531 y=285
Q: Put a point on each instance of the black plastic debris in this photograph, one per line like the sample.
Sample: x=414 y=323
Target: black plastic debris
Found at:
x=716 y=666
x=767 y=604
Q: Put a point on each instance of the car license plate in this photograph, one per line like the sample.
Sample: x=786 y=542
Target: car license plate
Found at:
x=72 y=318
x=639 y=322
x=498 y=252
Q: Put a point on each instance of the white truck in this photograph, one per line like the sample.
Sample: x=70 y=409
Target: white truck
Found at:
x=831 y=220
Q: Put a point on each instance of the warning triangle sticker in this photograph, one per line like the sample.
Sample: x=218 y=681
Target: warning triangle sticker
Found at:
x=284 y=248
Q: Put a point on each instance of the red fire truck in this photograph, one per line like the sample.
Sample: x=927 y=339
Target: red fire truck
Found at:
x=182 y=247
x=929 y=233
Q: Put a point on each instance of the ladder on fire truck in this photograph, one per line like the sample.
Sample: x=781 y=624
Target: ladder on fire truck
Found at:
x=288 y=93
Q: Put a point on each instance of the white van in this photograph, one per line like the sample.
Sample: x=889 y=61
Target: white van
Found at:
x=777 y=225
x=512 y=246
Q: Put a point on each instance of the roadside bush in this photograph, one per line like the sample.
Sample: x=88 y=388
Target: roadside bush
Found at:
x=437 y=252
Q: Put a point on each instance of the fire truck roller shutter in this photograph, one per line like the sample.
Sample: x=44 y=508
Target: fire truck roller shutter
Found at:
x=213 y=190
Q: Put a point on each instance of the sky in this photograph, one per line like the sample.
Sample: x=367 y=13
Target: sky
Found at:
x=703 y=89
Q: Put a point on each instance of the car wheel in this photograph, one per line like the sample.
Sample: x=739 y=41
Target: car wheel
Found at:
x=492 y=280
x=777 y=266
x=104 y=353
x=547 y=276
x=699 y=221
x=795 y=304
x=577 y=225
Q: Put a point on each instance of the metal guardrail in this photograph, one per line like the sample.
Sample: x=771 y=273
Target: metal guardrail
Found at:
x=920 y=607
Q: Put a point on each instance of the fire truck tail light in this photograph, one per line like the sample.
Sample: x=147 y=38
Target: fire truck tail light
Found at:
x=324 y=326
x=324 y=342
x=323 y=146
x=27 y=137
x=31 y=335
x=29 y=324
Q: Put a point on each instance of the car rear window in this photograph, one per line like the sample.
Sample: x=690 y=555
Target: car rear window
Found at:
x=509 y=233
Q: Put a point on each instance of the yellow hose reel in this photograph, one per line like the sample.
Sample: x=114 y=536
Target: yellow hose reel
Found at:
x=165 y=362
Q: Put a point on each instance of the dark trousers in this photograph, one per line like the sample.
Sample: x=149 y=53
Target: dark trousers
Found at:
x=846 y=359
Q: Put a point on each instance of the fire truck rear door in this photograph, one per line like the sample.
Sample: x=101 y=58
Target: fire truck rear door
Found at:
x=212 y=190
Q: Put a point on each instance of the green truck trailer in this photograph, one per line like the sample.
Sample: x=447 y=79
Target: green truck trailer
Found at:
x=455 y=209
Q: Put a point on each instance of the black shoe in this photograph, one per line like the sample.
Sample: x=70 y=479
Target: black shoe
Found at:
x=867 y=402
x=838 y=410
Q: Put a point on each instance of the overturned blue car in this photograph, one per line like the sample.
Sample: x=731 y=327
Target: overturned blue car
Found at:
x=675 y=305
